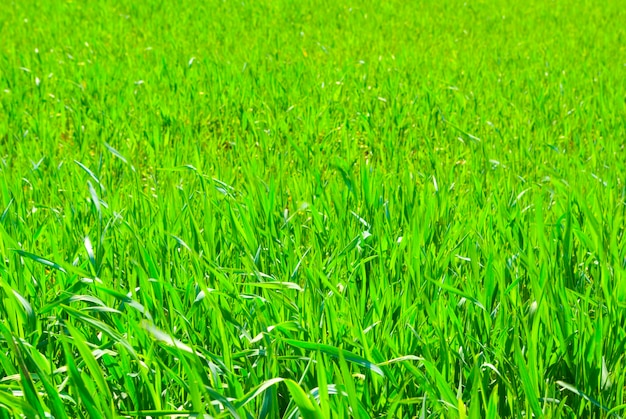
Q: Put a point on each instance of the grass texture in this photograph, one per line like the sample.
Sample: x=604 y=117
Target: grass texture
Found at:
x=282 y=209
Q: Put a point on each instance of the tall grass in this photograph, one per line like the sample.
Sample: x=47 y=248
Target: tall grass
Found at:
x=312 y=209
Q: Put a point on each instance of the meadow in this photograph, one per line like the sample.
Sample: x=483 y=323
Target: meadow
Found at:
x=316 y=209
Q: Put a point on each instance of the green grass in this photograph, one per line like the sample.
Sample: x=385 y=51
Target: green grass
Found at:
x=312 y=209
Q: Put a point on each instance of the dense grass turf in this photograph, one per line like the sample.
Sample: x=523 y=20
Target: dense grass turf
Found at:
x=318 y=209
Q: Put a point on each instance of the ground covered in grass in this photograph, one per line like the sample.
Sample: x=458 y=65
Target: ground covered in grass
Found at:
x=312 y=209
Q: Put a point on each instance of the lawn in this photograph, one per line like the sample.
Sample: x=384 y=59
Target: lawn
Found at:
x=316 y=209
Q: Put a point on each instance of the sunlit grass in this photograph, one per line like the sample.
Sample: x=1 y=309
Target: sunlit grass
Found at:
x=312 y=209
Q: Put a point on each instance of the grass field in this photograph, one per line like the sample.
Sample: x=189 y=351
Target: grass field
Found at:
x=282 y=209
